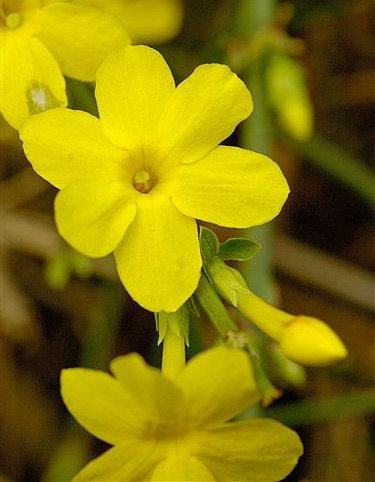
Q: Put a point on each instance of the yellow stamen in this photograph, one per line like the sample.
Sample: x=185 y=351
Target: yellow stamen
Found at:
x=142 y=181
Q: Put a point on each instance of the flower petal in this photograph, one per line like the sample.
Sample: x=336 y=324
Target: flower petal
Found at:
x=218 y=384
x=204 y=110
x=128 y=461
x=80 y=37
x=155 y=394
x=133 y=85
x=231 y=187
x=67 y=145
x=94 y=215
x=31 y=80
x=101 y=405
x=146 y=21
x=159 y=260
x=181 y=469
x=256 y=450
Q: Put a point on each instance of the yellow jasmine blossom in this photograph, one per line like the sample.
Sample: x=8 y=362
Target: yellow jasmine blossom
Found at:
x=41 y=40
x=146 y=21
x=177 y=429
x=134 y=180
x=303 y=339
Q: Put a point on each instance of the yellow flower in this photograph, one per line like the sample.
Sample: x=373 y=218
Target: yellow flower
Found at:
x=133 y=181
x=177 y=430
x=146 y=21
x=41 y=40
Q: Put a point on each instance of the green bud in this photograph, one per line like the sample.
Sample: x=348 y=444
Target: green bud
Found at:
x=288 y=95
x=285 y=372
x=227 y=281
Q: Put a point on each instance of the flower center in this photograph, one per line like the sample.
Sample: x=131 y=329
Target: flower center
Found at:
x=171 y=430
x=13 y=20
x=142 y=181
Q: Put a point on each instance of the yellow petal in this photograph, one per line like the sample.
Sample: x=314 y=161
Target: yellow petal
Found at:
x=181 y=469
x=66 y=145
x=159 y=259
x=259 y=450
x=218 y=384
x=231 y=187
x=155 y=394
x=146 y=21
x=31 y=80
x=128 y=461
x=204 y=110
x=311 y=342
x=94 y=215
x=101 y=405
x=133 y=86
x=80 y=37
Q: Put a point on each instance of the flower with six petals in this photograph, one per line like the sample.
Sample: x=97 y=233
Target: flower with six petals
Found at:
x=165 y=429
x=135 y=180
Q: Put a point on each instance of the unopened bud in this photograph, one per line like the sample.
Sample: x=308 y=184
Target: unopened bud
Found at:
x=311 y=342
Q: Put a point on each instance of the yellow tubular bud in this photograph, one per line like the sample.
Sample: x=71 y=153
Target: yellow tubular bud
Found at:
x=266 y=317
x=311 y=342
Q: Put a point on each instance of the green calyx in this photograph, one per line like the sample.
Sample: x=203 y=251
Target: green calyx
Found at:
x=177 y=323
x=227 y=281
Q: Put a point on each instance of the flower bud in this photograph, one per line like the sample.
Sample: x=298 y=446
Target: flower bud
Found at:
x=311 y=342
x=228 y=281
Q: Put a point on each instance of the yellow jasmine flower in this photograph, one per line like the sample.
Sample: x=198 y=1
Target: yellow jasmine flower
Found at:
x=177 y=429
x=134 y=180
x=146 y=21
x=41 y=40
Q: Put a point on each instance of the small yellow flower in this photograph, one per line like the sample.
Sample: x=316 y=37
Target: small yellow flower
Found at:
x=146 y=21
x=41 y=40
x=177 y=430
x=133 y=181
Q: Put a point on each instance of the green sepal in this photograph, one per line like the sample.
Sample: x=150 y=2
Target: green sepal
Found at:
x=209 y=243
x=226 y=280
x=238 y=249
x=177 y=322
x=193 y=306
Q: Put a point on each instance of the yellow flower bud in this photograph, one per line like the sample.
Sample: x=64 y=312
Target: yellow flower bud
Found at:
x=302 y=339
x=311 y=342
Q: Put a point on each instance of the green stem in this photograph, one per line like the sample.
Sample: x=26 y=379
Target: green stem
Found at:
x=323 y=410
x=340 y=165
x=255 y=134
x=173 y=355
x=214 y=308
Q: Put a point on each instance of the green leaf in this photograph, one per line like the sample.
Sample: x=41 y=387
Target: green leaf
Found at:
x=209 y=243
x=239 y=249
